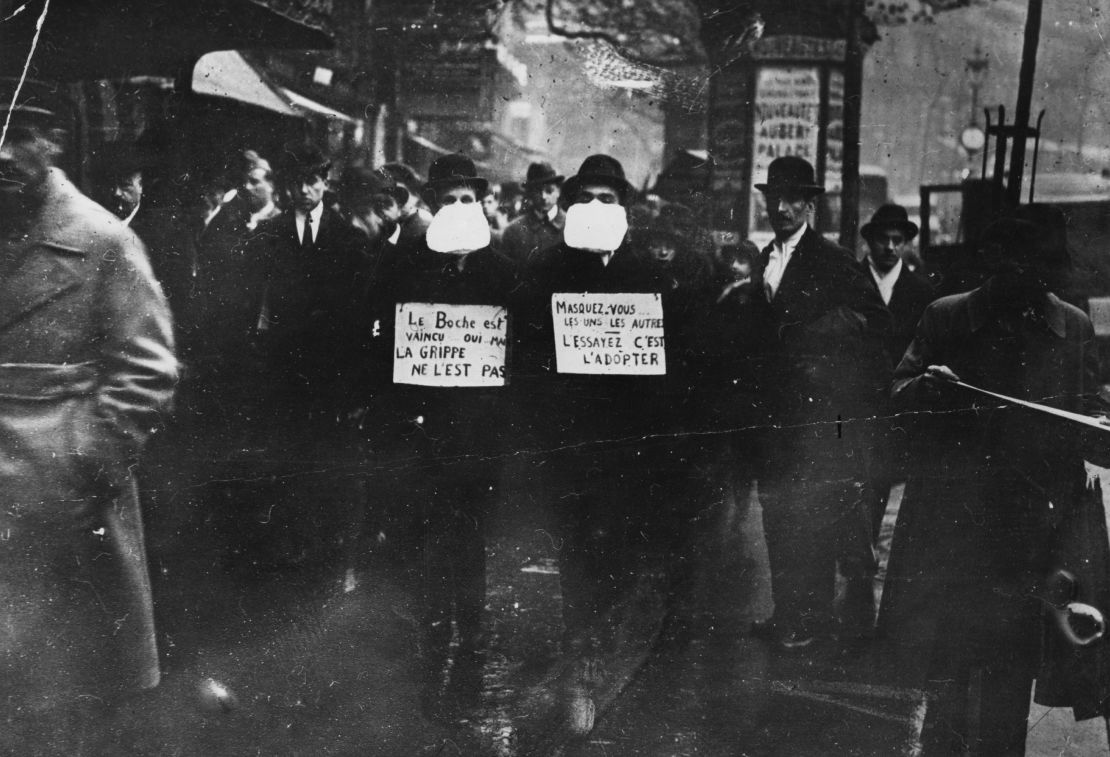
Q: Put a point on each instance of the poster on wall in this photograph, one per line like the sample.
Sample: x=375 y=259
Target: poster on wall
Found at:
x=786 y=122
x=829 y=209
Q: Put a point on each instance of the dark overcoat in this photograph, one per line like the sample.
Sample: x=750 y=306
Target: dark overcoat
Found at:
x=312 y=326
x=990 y=484
x=86 y=371
x=823 y=356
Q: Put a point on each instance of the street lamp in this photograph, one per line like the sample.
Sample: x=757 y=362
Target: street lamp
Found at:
x=972 y=138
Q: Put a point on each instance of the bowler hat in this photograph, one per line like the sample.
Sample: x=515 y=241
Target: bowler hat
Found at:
x=454 y=170
x=540 y=174
x=791 y=174
x=890 y=216
x=362 y=183
x=599 y=169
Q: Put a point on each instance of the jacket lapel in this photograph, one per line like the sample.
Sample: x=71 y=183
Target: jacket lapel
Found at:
x=798 y=267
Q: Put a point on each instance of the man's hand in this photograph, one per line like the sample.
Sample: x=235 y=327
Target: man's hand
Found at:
x=940 y=373
x=935 y=380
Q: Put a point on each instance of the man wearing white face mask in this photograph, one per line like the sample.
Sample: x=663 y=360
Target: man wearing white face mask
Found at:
x=601 y=473
x=454 y=431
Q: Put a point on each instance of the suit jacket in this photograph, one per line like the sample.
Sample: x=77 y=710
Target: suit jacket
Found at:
x=172 y=252
x=87 y=371
x=230 y=277
x=312 y=326
x=825 y=353
x=528 y=236
x=912 y=293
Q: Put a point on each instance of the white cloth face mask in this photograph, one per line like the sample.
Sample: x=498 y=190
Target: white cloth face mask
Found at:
x=459 y=228
x=595 y=226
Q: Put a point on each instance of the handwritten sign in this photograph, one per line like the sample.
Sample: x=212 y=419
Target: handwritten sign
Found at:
x=609 y=333
x=449 y=345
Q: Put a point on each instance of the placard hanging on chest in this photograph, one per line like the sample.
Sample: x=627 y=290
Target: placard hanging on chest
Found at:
x=612 y=333
x=450 y=345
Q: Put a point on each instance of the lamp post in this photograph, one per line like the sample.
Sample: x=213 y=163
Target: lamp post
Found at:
x=972 y=138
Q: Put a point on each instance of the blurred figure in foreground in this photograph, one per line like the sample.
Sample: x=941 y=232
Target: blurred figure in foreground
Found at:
x=991 y=487
x=87 y=373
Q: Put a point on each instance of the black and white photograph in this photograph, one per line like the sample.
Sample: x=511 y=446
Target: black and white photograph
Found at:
x=554 y=378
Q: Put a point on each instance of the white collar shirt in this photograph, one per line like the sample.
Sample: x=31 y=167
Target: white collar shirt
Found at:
x=781 y=252
x=885 y=281
x=131 y=216
x=315 y=214
x=268 y=211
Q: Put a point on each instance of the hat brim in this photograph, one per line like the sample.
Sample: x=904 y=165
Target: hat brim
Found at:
x=536 y=183
x=480 y=185
x=575 y=182
x=812 y=189
x=909 y=228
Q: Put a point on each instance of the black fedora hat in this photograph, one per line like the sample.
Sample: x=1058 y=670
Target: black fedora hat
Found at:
x=791 y=174
x=540 y=174
x=454 y=170
x=890 y=216
x=599 y=169
x=362 y=183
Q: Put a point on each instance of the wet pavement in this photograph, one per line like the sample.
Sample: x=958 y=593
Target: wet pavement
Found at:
x=301 y=660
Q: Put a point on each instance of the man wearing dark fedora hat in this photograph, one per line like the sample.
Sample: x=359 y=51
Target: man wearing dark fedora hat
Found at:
x=601 y=471
x=906 y=294
x=455 y=432
x=87 y=371
x=825 y=362
x=541 y=224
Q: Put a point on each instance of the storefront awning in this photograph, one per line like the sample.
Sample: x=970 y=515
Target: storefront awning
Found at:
x=117 y=39
x=438 y=149
x=311 y=106
x=227 y=74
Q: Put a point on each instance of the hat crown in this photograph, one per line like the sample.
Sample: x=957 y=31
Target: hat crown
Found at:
x=451 y=167
x=888 y=215
x=541 y=173
x=598 y=166
x=791 y=172
x=366 y=181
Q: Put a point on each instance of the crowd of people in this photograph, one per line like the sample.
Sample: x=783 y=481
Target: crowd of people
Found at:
x=823 y=379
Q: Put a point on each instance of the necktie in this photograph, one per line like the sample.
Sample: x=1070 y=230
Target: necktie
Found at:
x=306 y=239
